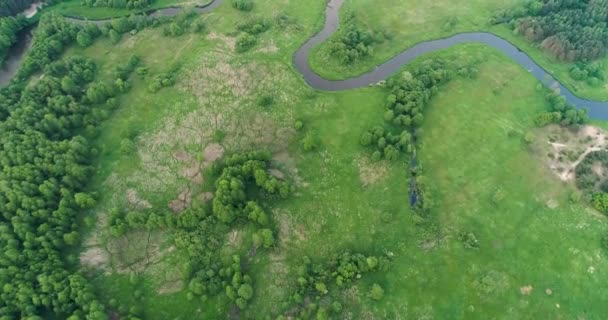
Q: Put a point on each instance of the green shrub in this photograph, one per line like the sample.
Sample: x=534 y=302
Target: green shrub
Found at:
x=245 y=42
x=243 y=5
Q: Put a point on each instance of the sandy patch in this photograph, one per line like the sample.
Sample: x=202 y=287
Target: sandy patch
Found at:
x=526 y=290
x=565 y=148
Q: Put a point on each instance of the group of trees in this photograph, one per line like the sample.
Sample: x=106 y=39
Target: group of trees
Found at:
x=388 y=145
x=319 y=284
x=561 y=112
x=245 y=171
x=52 y=36
x=569 y=30
x=409 y=94
x=250 y=29
x=9 y=27
x=592 y=73
x=179 y=24
x=355 y=43
x=129 y=4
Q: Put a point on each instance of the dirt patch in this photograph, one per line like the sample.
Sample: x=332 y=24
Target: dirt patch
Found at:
x=213 y=152
x=184 y=199
x=205 y=196
x=269 y=48
x=235 y=238
x=598 y=169
x=229 y=42
x=171 y=287
x=371 y=173
x=552 y=203
x=134 y=200
x=95 y=257
x=277 y=173
x=565 y=148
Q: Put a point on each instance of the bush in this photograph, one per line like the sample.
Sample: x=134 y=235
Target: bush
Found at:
x=308 y=142
x=298 y=125
x=354 y=43
x=245 y=42
x=254 y=26
x=376 y=292
x=243 y=5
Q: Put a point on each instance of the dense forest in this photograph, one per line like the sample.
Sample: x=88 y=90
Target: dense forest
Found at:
x=569 y=30
x=45 y=160
x=9 y=27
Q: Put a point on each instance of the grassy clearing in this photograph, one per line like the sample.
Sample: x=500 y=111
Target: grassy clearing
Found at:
x=343 y=201
x=74 y=8
x=411 y=22
x=533 y=236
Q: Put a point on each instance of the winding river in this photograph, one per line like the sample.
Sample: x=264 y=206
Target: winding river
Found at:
x=597 y=109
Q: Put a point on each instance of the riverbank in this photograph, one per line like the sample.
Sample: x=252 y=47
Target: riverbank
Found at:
x=403 y=20
x=74 y=9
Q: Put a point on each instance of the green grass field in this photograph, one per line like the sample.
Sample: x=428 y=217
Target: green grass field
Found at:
x=410 y=22
x=471 y=148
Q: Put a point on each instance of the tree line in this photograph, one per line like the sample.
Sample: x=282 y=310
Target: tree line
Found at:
x=9 y=28
x=129 y=4
x=45 y=168
x=569 y=30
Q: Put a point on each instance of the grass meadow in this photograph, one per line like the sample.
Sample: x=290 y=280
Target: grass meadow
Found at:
x=532 y=238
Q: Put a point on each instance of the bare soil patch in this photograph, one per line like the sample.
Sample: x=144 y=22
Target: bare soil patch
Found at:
x=95 y=257
x=183 y=201
x=134 y=200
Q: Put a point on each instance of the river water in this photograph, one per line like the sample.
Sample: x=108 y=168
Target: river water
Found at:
x=597 y=109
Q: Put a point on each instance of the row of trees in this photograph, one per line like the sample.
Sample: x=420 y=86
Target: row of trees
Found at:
x=409 y=94
x=9 y=27
x=561 y=112
x=129 y=4
x=569 y=30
